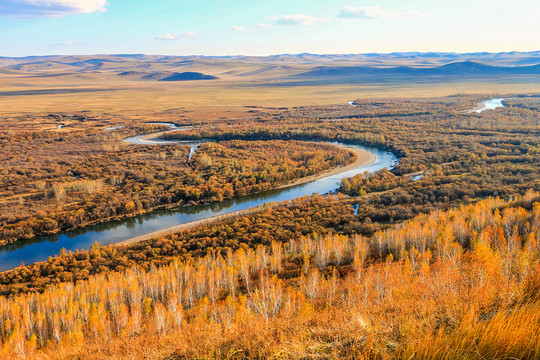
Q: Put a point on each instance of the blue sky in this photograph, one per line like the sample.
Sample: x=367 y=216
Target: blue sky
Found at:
x=263 y=27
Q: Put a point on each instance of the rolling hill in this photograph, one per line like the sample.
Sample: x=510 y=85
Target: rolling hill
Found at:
x=188 y=75
x=454 y=68
x=284 y=65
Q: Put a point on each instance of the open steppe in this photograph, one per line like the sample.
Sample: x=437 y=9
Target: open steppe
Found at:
x=129 y=84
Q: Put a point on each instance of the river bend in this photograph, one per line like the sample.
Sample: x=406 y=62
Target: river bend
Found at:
x=113 y=232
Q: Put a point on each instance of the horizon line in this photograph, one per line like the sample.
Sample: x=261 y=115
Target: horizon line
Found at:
x=281 y=54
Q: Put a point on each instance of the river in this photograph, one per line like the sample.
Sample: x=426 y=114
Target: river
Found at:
x=145 y=139
x=41 y=248
x=490 y=105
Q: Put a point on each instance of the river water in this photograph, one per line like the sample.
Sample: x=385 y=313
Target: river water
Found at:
x=490 y=105
x=41 y=247
x=141 y=140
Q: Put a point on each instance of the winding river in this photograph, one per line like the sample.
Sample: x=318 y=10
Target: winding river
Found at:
x=490 y=105
x=42 y=247
x=153 y=139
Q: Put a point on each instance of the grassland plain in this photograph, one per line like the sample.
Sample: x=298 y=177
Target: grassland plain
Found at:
x=35 y=84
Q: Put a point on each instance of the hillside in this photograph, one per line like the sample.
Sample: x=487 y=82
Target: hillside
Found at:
x=187 y=76
x=462 y=283
x=284 y=65
x=167 y=76
x=451 y=69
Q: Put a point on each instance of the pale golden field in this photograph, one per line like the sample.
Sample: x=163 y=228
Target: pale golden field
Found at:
x=41 y=89
x=121 y=96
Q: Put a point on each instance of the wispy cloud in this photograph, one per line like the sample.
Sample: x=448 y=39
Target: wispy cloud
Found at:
x=376 y=12
x=238 y=28
x=170 y=36
x=264 y=26
x=297 y=19
x=50 y=8
x=252 y=28
x=65 y=43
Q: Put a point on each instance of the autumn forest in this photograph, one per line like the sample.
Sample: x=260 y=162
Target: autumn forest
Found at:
x=436 y=256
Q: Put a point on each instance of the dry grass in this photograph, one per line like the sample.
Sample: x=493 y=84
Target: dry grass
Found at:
x=323 y=302
x=120 y=95
x=511 y=334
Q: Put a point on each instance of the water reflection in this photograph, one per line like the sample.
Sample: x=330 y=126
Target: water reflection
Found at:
x=40 y=248
x=491 y=104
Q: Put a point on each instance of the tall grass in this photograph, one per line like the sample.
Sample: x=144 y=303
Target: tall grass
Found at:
x=427 y=289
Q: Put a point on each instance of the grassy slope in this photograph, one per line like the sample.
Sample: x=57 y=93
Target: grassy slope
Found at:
x=456 y=284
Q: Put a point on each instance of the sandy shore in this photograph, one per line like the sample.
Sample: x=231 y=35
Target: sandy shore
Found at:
x=151 y=139
x=188 y=225
x=487 y=104
x=362 y=158
x=479 y=106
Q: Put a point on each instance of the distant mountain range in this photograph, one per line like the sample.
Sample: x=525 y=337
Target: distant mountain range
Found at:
x=284 y=67
x=455 y=68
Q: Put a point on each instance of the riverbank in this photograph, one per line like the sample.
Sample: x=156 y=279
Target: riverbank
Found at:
x=189 y=225
x=479 y=107
x=490 y=104
x=363 y=158
x=153 y=138
x=127 y=228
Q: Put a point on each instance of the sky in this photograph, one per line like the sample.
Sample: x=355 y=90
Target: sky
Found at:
x=265 y=27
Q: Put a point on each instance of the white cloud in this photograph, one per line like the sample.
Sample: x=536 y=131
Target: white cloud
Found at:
x=376 y=12
x=238 y=28
x=298 y=19
x=65 y=43
x=170 y=36
x=265 y=26
x=50 y=8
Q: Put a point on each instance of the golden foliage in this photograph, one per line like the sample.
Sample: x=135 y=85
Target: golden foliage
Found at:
x=431 y=295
